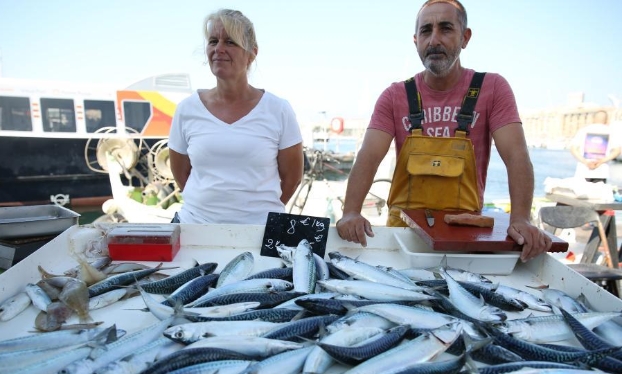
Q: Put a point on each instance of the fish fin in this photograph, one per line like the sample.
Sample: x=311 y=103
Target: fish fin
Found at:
x=540 y=287
x=299 y=315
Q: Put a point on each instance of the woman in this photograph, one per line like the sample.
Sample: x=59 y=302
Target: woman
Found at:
x=235 y=150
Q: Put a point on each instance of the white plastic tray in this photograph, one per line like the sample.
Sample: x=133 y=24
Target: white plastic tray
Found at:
x=422 y=256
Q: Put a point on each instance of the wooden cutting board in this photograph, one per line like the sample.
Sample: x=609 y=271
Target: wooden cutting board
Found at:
x=443 y=237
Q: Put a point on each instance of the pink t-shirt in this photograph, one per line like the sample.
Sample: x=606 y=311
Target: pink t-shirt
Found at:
x=495 y=108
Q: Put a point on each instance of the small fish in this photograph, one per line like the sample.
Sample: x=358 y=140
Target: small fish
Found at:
x=469 y=304
x=304 y=271
x=170 y=284
x=14 y=306
x=39 y=298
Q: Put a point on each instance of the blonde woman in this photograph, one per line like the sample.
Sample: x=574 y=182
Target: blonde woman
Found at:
x=235 y=150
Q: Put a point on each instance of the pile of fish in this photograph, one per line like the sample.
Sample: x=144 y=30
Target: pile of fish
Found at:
x=311 y=315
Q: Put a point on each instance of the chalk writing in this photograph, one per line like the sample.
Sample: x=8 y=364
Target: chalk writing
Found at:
x=289 y=229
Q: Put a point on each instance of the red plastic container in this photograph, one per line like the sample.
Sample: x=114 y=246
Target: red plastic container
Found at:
x=140 y=242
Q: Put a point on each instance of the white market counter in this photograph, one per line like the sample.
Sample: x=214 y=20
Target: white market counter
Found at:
x=221 y=243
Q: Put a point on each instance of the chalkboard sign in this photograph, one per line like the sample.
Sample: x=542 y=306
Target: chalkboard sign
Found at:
x=290 y=229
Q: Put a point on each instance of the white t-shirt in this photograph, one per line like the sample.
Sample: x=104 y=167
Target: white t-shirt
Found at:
x=595 y=142
x=234 y=177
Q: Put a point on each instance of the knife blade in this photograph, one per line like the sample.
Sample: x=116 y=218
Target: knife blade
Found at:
x=429 y=217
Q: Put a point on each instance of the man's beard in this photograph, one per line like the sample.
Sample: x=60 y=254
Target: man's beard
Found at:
x=440 y=68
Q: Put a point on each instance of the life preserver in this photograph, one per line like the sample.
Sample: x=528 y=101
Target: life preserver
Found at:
x=336 y=125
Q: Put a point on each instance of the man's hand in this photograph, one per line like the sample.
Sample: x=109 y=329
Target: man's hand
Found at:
x=353 y=227
x=534 y=240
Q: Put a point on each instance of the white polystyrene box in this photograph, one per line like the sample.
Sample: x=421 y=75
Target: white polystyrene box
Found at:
x=422 y=256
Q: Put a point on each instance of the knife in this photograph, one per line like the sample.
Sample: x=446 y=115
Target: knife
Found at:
x=429 y=217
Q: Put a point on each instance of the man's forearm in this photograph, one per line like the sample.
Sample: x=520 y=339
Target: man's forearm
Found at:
x=521 y=185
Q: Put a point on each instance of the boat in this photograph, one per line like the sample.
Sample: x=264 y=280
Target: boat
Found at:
x=54 y=135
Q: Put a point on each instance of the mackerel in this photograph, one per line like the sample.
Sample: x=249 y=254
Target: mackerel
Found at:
x=291 y=303
x=303 y=264
x=188 y=333
x=256 y=347
x=215 y=367
x=265 y=300
x=470 y=305
x=373 y=291
x=318 y=361
x=124 y=279
x=407 y=315
x=237 y=269
x=359 y=353
x=531 y=300
x=252 y=285
x=539 y=366
x=551 y=328
x=191 y=356
x=494 y=298
x=274 y=273
x=191 y=290
x=360 y=319
x=339 y=306
x=410 y=353
x=162 y=311
x=531 y=351
x=303 y=328
x=289 y=362
x=363 y=271
x=269 y=315
x=170 y=284
x=321 y=267
x=586 y=337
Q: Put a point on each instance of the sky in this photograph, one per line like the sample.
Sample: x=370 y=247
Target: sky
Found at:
x=328 y=58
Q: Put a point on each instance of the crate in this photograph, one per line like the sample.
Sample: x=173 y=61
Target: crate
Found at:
x=140 y=242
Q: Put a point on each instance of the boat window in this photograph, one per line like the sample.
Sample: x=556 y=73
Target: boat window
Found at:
x=136 y=114
x=15 y=113
x=58 y=115
x=99 y=114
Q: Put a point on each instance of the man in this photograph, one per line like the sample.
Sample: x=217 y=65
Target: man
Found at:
x=594 y=146
x=441 y=33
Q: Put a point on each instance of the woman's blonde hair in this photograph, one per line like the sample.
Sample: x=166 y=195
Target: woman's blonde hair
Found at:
x=237 y=25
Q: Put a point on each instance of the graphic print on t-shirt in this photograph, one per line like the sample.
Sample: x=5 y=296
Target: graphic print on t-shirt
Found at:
x=595 y=146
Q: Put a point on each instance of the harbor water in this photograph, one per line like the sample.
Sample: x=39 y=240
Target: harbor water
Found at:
x=546 y=163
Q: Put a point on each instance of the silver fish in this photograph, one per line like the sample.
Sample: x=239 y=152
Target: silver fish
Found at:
x=247 y=345
x=189 y=333
x=304 y=271
x=39 y=298
x=251 y=285
x=422 y=349
x=373 y=291
x=363 y=271
x=14 y=306
x=290 y=362
x=470 y=305
x=237 y=269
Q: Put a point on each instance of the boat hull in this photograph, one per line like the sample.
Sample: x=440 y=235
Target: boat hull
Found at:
x=32 y=169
